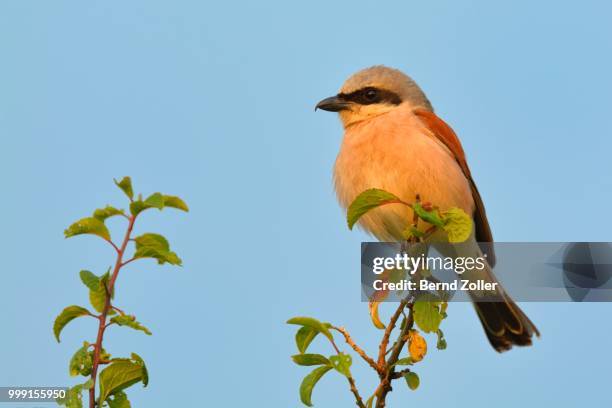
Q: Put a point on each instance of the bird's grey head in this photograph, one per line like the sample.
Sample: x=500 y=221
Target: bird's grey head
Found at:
x=374 y=91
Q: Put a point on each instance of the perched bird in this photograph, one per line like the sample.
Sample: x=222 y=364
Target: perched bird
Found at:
x=394 y=141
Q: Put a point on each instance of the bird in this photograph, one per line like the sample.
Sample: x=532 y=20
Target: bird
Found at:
x=394 y=141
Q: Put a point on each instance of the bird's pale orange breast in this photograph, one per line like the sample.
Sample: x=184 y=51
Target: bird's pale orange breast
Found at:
x=395 y=152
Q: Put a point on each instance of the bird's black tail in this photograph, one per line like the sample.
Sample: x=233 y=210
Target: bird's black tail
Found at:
x=505 y=324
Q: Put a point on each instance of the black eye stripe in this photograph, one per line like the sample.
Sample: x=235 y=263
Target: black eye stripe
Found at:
x=364 y=96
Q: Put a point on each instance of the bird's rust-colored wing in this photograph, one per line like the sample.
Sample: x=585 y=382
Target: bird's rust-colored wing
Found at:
x=447 y=136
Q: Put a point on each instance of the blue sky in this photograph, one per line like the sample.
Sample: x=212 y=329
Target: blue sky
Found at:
x=213 y=101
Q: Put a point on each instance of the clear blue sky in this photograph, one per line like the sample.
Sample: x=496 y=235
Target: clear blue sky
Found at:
x=214 y=101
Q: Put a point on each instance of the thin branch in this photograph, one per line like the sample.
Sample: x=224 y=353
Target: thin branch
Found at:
x=118 y=310
x=358 y=399
x=382 y=350
x=358 y=350
x=385 y=383
x=400 y=374
x=113 y=244
x=128 y=261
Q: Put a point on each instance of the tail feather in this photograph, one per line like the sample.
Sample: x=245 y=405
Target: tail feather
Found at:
x=505 y=324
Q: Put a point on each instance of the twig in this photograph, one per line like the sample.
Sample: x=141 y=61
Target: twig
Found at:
x=358 y=399
x=358 y=350
x=112 y=244
x=382 y=350
x=351 y=380
x=385 y=384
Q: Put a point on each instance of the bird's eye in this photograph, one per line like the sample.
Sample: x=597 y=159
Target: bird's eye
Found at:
x=371 y=94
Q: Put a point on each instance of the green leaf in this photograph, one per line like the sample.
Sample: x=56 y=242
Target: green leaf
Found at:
x=457 y=224
x=404 y=361
x=126 y=185
x=74 y=397
x=81 y=362
x=65 y=317
x=88 y=225
x=155 y=200
x=119 y=400
x=129 y=321
x=97 y=289
x=145 y=373
x=313 y=324
x=152 y=240
x=103 y=213
x=431 y=217
x=310 y=359
x=342 y=363
x=367 y=201
x=159 y=201
x=370 y=402
x=427 y=314
x=161 y=256
x=441 y=344
x=137 y=207
x=412 y=379
x=155 y=246
x=309 y=383
x=89 y=279
x=304 y=336
x=175 y=202
x=116 y=377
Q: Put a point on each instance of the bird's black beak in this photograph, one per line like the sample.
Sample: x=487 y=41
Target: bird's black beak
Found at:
x=333 y=104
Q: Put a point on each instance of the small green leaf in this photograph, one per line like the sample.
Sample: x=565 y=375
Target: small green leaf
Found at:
x=88 y=225
x=74 y=397
x=304 y=336
x=137 y=207
x=65 y=317
x=152 y=240
x=310 y=359
x=367 y=201
x=457 y=224
x=155 y=246
x=126 y=185
x=370 y=402
x=89 y=279
x=119 y=375
x=441 y=344
x=431 y=217
x=97 y=290
x=313 y=324
x=412 y=379
x=342 y=363
x=81 y=362
x=129 y=321
x=309 y=383
x=145 y=373
x=427 y=314
x=155 y=200
x=175 y=202
x=404 y=361
x=103 y=213
x=118 y=400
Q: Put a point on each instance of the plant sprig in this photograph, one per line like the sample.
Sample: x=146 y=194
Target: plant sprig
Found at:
x=413 y=316
x=119 y=373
